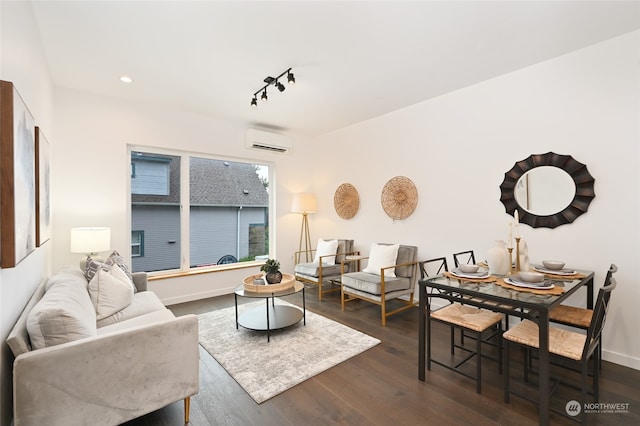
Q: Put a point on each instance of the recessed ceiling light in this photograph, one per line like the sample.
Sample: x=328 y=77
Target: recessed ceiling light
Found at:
x=126 y=79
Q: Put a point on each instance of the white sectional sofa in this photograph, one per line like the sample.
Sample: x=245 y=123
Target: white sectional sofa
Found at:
x=71 y=368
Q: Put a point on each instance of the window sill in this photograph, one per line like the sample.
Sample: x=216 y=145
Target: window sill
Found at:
x=156 y=276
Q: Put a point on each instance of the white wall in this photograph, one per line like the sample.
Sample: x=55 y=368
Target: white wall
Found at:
x=456 y=149
x=90 y=184
x=22 y=63
x=584 y=104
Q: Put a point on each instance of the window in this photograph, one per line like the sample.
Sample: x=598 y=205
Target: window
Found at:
x=223 y=204
x=137 y=243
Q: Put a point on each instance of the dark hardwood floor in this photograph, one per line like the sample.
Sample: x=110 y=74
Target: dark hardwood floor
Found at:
x=381 y=386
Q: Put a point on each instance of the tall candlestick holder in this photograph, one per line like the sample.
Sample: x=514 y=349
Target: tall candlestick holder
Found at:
x=517 y=254
x=510 y=249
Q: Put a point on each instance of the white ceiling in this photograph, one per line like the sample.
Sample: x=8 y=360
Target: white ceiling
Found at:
x=352 y=60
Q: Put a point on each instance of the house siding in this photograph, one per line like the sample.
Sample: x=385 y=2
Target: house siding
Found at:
x=161 y=226
x=213 y=232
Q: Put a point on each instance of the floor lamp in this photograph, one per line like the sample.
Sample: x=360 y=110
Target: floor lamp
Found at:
x=304 y=203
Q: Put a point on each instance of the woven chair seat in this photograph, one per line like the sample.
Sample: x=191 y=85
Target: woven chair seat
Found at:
x=467 y=316
x=568 y=344
x=579 y=317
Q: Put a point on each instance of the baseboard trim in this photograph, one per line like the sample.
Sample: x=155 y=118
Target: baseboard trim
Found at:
x=197 y=296
x=620 y=359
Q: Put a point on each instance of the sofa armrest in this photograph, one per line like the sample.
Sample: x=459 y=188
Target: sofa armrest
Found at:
x=110 y=378
x=140 y=280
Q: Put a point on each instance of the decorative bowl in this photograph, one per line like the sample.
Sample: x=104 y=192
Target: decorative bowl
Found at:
x=553 y=264
x=531 y=277
x=468 y=268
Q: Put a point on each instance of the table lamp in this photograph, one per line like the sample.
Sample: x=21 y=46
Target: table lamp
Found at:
x=90 y=241
x=304 y=203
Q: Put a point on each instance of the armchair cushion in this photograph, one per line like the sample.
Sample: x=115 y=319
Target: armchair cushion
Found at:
x=327 y=248
x=312 y=270
x=382 y=256
x=372 y=283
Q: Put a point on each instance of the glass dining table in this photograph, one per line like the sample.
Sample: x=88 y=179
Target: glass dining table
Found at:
x=509 y=301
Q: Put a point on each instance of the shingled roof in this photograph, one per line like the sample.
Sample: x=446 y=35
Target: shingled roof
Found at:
x=213 y=183
x=225 y=183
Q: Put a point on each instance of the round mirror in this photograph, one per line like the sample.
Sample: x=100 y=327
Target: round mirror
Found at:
x=548 y=190
x=545 y=190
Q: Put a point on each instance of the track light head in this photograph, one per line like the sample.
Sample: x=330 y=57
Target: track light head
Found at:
x=264 y=95
x=254 y=102
x=280 y=86
x=290 y=78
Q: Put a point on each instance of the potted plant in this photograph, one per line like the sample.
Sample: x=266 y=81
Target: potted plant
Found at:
x=271 y=268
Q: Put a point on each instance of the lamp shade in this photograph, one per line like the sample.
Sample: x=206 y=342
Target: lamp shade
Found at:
x=90 y=240
x=304 y=202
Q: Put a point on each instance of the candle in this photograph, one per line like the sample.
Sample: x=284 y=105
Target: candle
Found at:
x=510 y=235
x=516 y=222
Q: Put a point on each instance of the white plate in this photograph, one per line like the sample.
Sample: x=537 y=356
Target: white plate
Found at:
x=477 y=275
x=544 y=270
x=528 y=285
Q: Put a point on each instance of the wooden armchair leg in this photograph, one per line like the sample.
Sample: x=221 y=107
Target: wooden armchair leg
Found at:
x=187 y=408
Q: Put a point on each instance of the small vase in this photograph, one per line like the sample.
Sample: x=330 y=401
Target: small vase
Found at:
x=498 y=259
x=273 y=277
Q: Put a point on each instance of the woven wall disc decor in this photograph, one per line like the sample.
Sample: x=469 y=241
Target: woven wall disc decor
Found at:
x=346 y=201
x=399 y=197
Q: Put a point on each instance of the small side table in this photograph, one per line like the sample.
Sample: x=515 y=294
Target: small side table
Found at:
x=355 y=258
x=271 y=316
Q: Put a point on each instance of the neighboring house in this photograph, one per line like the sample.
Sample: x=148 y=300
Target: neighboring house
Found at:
x=228 y=212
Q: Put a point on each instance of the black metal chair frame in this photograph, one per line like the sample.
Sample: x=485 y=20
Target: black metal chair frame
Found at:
x=475 y=335
x=612 y=270
x=471 y=259
x=591 y=349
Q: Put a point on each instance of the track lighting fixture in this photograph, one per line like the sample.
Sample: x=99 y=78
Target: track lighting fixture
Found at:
x=269 y=81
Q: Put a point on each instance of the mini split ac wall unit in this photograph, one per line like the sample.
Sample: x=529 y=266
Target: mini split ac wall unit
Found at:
x=267 y=141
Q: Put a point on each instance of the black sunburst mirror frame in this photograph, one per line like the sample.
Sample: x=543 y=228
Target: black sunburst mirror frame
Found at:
x=579 y=205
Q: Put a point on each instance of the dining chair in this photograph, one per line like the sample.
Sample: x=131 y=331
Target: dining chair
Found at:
x=464 y=257
x=574 y=348
x=432 y=267
x=473 y=320
x=325 y=270
x=580 y=318
x=391 y=273
x=467 y=257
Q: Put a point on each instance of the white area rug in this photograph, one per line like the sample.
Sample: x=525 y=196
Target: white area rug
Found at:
x=294 y=354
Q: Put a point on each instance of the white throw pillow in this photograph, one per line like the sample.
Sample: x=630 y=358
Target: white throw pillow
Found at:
x=64 y=313
x=110 y=291
x=326 y=248
x=381 y=256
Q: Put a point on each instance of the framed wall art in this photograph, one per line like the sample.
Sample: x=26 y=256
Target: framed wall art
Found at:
x=43 y=190
x=17 y=186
